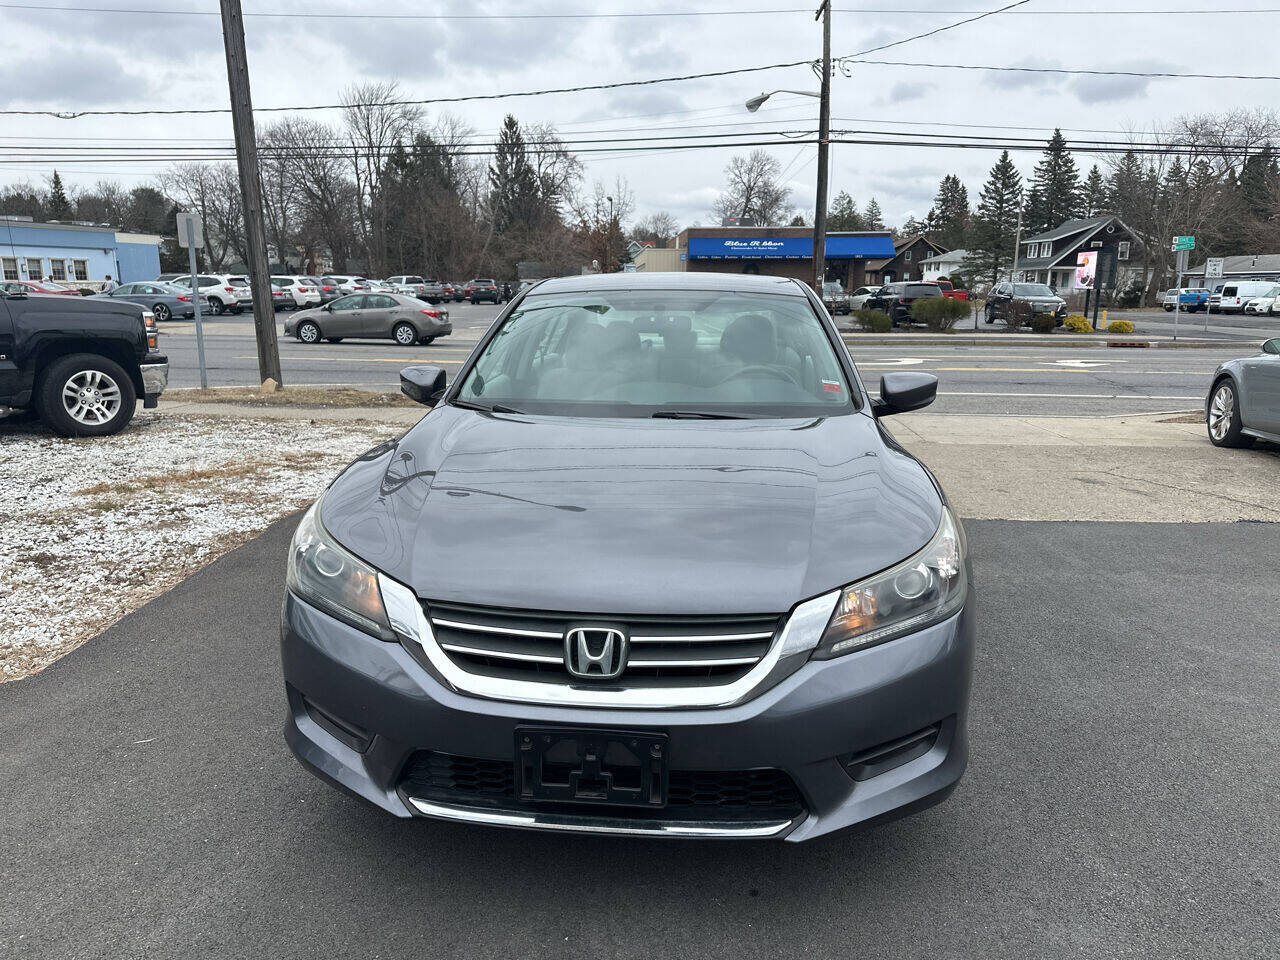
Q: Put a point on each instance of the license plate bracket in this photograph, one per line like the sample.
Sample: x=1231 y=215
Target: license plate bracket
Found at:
x=613 y=767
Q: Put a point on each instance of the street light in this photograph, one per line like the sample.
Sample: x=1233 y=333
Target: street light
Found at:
x=824 y=136
x=755 y=103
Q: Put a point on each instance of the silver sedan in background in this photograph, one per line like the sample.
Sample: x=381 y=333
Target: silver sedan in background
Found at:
x=384 y=316
x=1244 y=402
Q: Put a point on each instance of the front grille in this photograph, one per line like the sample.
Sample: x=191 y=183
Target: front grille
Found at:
x=664 y=651
x=712 y=794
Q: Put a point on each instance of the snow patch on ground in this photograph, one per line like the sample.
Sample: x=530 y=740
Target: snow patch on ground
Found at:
x=91 y=529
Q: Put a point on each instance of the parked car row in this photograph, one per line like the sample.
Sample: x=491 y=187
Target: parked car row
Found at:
x=1236 y=295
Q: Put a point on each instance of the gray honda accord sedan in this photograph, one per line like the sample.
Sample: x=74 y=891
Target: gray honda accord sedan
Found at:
x=651 y=565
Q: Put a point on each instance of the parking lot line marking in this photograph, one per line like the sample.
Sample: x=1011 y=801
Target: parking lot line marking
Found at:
x=1071 y=396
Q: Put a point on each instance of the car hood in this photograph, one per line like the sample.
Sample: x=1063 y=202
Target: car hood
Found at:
x=630 y=516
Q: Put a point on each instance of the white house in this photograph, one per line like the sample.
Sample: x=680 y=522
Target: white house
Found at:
x=942 y=265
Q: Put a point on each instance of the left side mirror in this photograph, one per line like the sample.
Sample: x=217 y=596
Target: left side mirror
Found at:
x=423 y=384
x=1272 y=345
x=901 y=392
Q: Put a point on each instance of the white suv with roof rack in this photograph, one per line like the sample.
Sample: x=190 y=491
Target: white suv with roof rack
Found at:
x=223 y=292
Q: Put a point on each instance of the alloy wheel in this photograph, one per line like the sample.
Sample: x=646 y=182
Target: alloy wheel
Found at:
x=1221 y=409
x=91 y=397
x=160 y=312
x=405 y=334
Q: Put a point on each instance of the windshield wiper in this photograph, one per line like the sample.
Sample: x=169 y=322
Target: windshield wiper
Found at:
x=699 y=415
x=484 y=407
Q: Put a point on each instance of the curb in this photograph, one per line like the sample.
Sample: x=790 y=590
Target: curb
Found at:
x=1038 y=340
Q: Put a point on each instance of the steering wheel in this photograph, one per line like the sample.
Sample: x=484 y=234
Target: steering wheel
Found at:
x=775 y=373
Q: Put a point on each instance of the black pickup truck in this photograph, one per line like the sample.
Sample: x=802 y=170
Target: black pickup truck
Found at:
x=80 y=363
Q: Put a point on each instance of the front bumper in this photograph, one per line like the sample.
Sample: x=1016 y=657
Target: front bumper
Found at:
x=361 y=708
x=155 y=377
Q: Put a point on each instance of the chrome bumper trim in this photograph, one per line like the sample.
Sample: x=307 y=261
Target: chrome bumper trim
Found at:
x=709 y=829
x=155 y=377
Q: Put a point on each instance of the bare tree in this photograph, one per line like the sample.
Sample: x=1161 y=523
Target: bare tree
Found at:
x=211 y=190
x=753 y=191
x=374 y=124
x=599 y=216
x=660 y=227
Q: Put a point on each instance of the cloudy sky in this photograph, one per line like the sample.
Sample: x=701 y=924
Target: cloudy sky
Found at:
x=74 y=60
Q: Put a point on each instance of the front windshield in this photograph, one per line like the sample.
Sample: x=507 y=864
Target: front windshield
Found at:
x=641 y=354
x=1032 y=290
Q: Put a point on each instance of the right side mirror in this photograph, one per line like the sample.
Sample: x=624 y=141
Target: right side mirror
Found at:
x=901 y=392
x=1271 y=346
x=423 y=383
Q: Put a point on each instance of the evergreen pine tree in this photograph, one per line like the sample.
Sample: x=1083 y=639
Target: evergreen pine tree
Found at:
x=1054 y=195
x=513 y=183
x=949 y=216
x=873 y=219
x=844 y=214
x=59 y=205
x=995 y=225
x=1093 y=194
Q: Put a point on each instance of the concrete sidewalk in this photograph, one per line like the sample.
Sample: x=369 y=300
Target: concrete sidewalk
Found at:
x=1134 y=468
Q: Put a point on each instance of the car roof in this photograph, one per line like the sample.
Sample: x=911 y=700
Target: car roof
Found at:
x=739 y=282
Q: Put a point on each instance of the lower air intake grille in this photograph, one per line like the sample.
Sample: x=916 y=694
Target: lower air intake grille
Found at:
x=715 y=794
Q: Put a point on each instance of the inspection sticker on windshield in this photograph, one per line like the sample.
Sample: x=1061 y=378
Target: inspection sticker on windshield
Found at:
x=832 y=386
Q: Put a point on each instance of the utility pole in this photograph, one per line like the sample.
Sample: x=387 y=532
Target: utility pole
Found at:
x=824 y=137
x=264 y=315
x=1017 y=240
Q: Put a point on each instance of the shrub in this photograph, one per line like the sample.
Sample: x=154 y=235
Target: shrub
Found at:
x=1043 y=323
x=939 y=313
x=1017 y=313
x=1077 y=323
x=1119 y=326
x=873 y=320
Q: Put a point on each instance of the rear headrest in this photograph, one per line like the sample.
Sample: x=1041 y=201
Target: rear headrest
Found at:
x=621 y=337
x=585 y=348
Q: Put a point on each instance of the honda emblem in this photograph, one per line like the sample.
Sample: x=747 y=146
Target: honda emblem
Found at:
x=595 y=652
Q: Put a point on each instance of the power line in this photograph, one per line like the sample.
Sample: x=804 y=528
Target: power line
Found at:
x=1148 y=74
x=71 y=115
x=667 y=14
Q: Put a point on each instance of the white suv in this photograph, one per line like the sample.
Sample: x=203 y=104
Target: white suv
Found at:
x=304 y=291
x=223 y=292
x=347 y=283
x=418 y=287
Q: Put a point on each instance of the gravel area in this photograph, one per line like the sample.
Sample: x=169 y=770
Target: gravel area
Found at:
x=92 y=529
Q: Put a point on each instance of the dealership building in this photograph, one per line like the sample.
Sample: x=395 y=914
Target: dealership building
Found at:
x=771 y=251
x=74 y=253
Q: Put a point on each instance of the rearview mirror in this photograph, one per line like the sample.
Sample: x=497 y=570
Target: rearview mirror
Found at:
x=1272 y=345
x=900 y=392
x=423 y=383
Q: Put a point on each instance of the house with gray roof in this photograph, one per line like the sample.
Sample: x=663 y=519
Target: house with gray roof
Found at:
x=1050 y=257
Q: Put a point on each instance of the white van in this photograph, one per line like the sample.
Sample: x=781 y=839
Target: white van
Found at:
x=1236 y=294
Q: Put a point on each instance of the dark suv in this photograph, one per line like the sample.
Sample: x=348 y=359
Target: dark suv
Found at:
x=650 y=566
x=483 y=290
x=895 y=299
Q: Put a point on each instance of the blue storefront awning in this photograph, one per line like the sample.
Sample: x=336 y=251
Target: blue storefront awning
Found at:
x=858 y=248
x=787 y=248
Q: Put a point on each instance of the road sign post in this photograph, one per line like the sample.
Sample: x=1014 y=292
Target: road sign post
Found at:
x=1212 y=271
x=1177 y=302
x=191 y=236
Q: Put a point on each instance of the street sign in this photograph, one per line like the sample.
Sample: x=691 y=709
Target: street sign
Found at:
x=190 y=231
x=1184 y=243
x=1213 y=268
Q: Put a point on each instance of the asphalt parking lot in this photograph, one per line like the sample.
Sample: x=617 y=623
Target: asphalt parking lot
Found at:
x=1120 y=800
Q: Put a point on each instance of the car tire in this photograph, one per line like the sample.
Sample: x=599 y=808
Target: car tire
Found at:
x=404 y=334
x=990 y=314
x=308 y=331
x=1223 y=416
x=427 y=340
x=217 y=306
x=237 y=310
x=332 y=339
x=1168 y=309
x=161 y=312
x=86 y=395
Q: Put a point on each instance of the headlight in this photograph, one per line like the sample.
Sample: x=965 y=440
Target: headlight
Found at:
x=917 y=592
x=339 y=583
